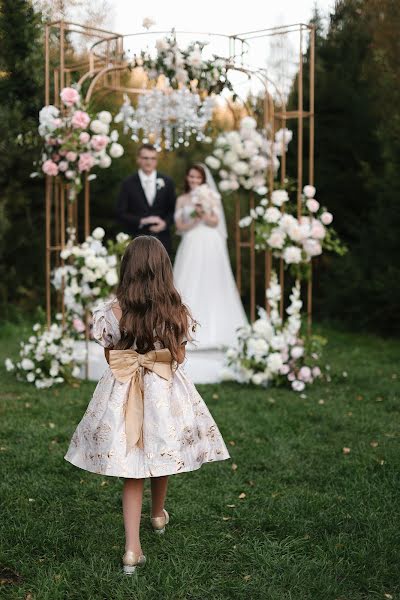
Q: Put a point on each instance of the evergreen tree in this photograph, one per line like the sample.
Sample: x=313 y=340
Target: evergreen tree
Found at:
x=21 y=199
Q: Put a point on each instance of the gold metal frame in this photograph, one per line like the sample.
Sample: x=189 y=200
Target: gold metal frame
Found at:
x=102 y=69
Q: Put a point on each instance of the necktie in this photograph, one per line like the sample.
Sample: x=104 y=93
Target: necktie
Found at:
x=148 y=190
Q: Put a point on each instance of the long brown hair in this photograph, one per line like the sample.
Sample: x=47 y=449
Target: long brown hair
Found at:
x=197 y=168
x=151 y=306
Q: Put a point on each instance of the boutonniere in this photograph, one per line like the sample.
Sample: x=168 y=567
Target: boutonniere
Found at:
x=160 y=183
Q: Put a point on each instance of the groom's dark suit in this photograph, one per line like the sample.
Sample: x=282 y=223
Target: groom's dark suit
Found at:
x=133 y=205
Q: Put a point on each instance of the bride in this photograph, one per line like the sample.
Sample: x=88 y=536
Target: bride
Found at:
x=202 y=270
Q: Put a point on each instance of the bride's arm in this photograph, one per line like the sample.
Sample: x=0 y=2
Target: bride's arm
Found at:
x=180 y=223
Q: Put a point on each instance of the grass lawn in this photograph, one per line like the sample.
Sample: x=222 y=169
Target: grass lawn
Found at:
x=290 y=517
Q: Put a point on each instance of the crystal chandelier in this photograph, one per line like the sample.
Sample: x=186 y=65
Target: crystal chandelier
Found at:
x=168 y=117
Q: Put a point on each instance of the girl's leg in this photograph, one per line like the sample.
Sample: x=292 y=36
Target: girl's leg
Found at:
x=132 y=508
x=158 y=493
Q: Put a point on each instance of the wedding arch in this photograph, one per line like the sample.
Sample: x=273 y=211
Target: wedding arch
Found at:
x=100 y=70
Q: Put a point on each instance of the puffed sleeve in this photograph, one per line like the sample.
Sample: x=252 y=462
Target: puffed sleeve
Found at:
x=103 y=330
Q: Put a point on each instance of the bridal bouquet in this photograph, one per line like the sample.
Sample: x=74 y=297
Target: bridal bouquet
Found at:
x=204 y=197
x=75 y=141
x=184 y=66
x=49 y=357
x=294 y=240
x=242 y=157
x=270 y=350
x=91 y=272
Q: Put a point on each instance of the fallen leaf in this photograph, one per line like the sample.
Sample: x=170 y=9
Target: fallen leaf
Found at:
x=31 y=500
x=374 y=444
x=234 y=466
x=226 y=518
x=271 y=400
x=28 y=404
x=104 y=483
x=346 y=450
x=388 y=596
x=51 y=425
x=3 y=448
x=247 y=577
x=57 y=577
x=394 y=376
x=251 y=483
x=379 y=399
x=321 y=401
x=349 y=414
x=215 y=396
x=242 y=495
x=381 y=462
x=231 y=505
x=232 y=443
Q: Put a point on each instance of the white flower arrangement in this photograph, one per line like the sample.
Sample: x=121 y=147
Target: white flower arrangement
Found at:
x=75 y=141
x=48 y=358
x=296 y=241
x=183 y=65
x=91 y=271
x=241 y=158
x=272 y=351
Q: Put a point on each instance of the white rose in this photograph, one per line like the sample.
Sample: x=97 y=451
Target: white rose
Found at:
x=272 y=214
x=261 y=191
x=122 y=237
x=276 y=239
x=309 y=191
x=292 y=255
x=105 y=117
x=99 y=127
x=312 y=205
x=112 y=260
x=212 y=162
x=248 y=123
x=263 y=327
x=76 y=371
x=326 y=218
x=98 y=233
x=8 y=363
x=278 y=197
x=240 y=168
x=278 y=342
x=257 y=379
x=230 y=158
x=27 y=364
x=112 y=277
x=225 y=185
x=116 y=150
x=257 y=347
x=312 y=247
x=105 y=161
x=30 y=377
x=245 y=222
x=298 y=386
x=296 y=352
x=274 y=362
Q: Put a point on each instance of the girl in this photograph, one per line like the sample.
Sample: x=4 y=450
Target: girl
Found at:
x=146 y=419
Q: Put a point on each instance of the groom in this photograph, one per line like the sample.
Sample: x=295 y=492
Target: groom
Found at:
x=146 y=201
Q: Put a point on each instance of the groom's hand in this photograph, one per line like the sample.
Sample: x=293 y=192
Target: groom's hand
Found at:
x=159 y=226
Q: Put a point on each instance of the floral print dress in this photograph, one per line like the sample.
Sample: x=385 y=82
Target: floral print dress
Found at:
x=179 y=432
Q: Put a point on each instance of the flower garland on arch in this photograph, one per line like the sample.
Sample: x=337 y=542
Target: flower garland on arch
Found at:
x=241 y=158
x=75 y=141
x=296 y=240
x=184 y=66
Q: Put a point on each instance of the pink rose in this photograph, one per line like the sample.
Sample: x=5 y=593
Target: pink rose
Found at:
x=316 y=372
x=84 y=137
x=63 y=166
x=69 y=96
x=50 y=168
x=86 y=162
x=71 y=156
x=78 y=325
x=70 y=174
x=99 y=142
x=312 y=205
x=284 y=370
x=80 y=119
x=298 y=386
x=327 y=218
x=317 y=230
x=291 y=376
x=305 y=374
x=312 y=247
x=57 y=122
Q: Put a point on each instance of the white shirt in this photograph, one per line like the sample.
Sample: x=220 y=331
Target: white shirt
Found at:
x=149 y=185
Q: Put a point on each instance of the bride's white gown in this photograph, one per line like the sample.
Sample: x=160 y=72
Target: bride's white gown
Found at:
x=203 y=276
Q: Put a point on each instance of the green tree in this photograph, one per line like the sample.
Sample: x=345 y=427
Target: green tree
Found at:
x=21 y=199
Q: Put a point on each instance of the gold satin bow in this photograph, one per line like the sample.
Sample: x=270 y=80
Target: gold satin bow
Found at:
x=129 y=365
